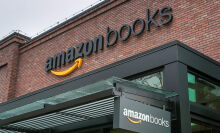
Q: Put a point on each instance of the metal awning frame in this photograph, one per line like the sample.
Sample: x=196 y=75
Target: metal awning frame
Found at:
x=119 y=89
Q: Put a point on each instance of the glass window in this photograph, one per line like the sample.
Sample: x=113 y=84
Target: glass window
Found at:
x=203 y=92
x=153 y=80
x=203 y=128
x=196 y=128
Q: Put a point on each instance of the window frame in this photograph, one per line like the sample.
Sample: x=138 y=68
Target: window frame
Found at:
x=201 y=113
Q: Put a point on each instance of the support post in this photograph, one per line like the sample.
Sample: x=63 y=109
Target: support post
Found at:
x=175 y=79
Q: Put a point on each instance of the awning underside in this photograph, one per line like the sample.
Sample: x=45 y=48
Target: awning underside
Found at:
x=84 y=112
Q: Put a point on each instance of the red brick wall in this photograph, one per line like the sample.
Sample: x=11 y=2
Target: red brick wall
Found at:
x=12 y=69
x=9 y=57
x=3 y=83
x=195 y=23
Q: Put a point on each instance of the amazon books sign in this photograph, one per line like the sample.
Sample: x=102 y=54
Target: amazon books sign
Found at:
x=138 y=117
x=111 y=38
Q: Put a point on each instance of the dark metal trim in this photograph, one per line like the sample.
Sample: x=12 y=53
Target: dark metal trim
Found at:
x=183 y=56
x=145 y=96
x=175 y=79
x=204 y=112
x=203 y=76
x=200 y=119
x=198 y=61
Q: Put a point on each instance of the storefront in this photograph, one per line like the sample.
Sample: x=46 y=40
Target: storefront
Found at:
x=110 y=82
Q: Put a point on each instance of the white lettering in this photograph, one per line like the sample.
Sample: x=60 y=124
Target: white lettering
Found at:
x=145 y=117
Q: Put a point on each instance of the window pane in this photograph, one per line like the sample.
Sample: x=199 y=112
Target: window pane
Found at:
x=153 y=80
x=203 y=92
x=203 y=128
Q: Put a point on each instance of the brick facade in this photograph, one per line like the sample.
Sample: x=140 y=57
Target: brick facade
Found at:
x=195 y=23
x=3 y=79
x=9 y=55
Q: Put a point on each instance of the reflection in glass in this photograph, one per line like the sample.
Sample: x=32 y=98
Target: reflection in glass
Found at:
x=153 y=80
x=203 y=128
x=203 y=92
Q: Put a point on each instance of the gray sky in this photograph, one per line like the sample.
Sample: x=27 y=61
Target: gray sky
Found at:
x=33 y=16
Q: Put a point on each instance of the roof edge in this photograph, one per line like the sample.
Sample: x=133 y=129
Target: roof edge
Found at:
x=65 y=22
x=198 y=53
x=29 y=39
x=15 y=33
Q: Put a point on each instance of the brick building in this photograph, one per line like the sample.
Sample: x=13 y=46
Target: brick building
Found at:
x=129 y=39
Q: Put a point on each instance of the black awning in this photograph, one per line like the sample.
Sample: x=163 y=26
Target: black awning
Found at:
x=86 y=106
x=96 y=111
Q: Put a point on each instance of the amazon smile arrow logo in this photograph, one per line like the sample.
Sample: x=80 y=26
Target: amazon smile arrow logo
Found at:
x=78 y=64
x=134 y=122
x=132 y=114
